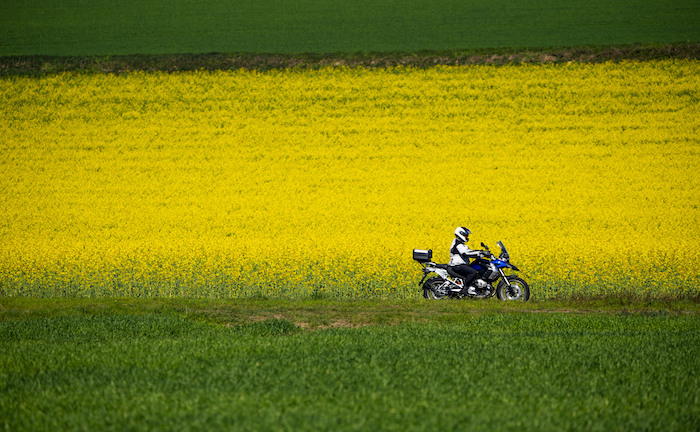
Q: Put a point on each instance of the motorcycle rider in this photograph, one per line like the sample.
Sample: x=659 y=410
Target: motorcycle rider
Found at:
x=460 y=254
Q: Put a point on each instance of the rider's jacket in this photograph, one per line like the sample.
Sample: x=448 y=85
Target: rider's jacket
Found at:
x=460 y=253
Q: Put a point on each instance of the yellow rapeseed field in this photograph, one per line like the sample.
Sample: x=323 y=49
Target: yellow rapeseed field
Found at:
x=299 y=183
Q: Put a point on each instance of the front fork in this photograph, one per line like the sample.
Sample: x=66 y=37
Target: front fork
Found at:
x=505 y=278
x=511 y=290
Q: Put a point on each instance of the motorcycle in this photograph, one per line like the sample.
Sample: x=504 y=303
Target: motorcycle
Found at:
x=448 y=284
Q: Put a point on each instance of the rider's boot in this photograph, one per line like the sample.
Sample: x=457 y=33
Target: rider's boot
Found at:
x=471 y=290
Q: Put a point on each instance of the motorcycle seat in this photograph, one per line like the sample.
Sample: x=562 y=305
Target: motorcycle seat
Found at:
x=453 y=273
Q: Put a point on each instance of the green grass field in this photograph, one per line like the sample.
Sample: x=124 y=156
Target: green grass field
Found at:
x=101 y=27
x=144 y=365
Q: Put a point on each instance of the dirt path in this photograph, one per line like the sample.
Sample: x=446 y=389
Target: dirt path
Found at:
x=42 y=65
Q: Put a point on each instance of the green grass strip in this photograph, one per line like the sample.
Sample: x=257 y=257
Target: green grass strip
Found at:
x=103 y=27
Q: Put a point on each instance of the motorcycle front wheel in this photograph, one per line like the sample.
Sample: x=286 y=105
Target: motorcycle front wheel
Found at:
x=431 y=291
x=518 y=289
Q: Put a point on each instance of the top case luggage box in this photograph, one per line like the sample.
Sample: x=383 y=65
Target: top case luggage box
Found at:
x=421 y=255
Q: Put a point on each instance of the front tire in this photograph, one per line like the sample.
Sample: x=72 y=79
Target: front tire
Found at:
x=514 y=289
x=430 y=290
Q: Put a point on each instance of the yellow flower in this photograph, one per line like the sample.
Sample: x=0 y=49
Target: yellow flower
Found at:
x=285 y=183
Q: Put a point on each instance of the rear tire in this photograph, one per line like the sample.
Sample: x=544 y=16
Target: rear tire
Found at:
x=518 y=289
x=429 y=289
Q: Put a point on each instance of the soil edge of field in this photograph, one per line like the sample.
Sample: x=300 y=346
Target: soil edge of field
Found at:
x=38 y=65
x=324 y=314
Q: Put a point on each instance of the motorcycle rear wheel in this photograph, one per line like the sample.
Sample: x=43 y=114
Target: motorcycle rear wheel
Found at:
x=518 y=289
x=430 y=289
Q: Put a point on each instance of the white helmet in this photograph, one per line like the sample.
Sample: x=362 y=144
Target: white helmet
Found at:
x=462 y=234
